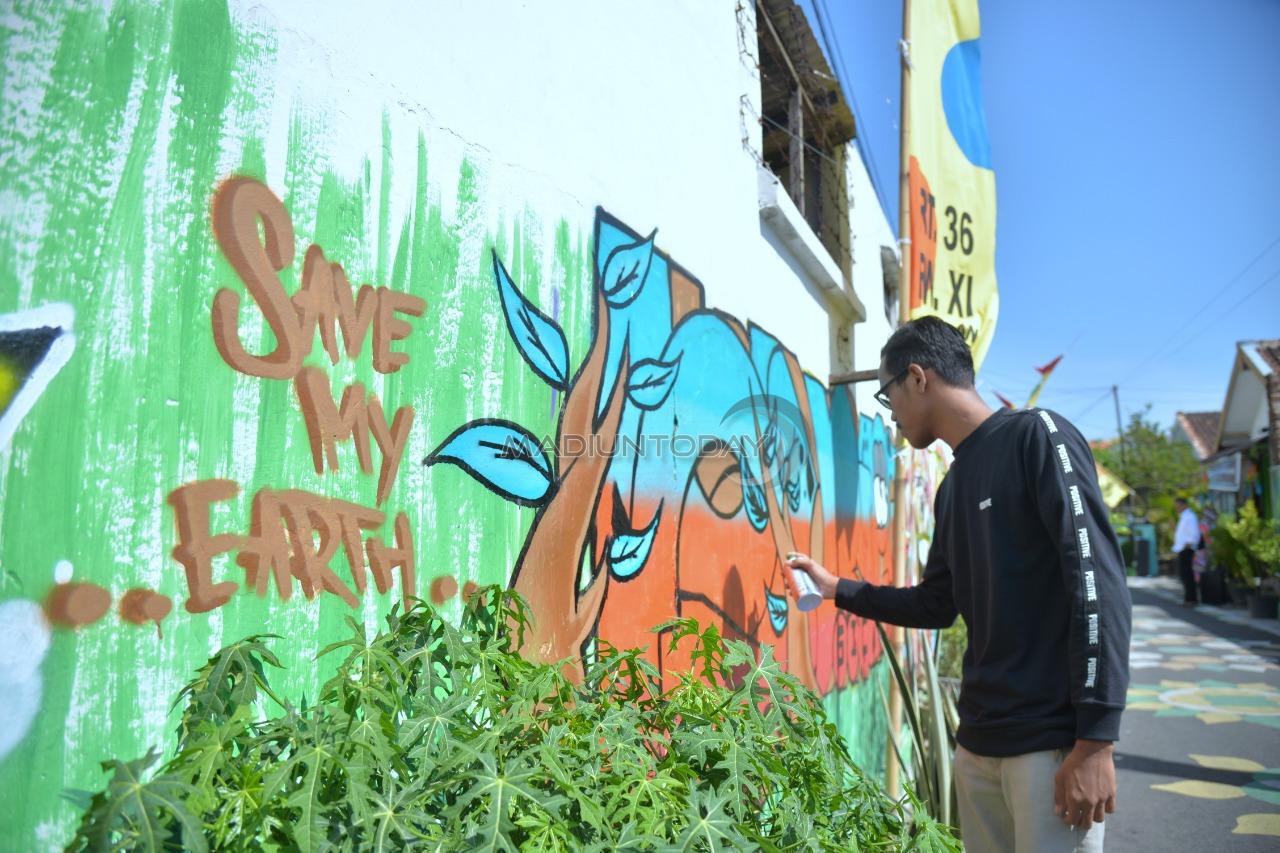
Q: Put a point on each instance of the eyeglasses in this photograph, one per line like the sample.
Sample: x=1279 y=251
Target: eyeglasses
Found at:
x=882 y=396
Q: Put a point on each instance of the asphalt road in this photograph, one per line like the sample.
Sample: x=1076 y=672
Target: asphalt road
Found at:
x=1199 y=753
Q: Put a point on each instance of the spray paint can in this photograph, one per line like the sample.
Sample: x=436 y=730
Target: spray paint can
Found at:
x=808 y=597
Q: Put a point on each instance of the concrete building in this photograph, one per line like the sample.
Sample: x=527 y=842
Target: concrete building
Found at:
x=1248 y=436
x=607 y=258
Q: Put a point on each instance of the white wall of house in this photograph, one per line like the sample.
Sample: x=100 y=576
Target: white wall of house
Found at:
x=125 y=118
x=871 y=230
x=638 y=109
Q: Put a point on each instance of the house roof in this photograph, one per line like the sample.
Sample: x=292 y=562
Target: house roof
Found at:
x=1270 y=352
x=797 y=59
x=1201 y=429
x=1245 y=412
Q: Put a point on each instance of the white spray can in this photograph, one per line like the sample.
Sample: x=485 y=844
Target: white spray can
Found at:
x=808 y=597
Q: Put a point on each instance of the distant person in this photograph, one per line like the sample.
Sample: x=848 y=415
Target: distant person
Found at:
x=1024 y=551
x=1213 y=584
x=1186 y=539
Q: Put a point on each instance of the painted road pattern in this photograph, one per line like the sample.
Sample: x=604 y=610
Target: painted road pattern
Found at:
x=1199 y=753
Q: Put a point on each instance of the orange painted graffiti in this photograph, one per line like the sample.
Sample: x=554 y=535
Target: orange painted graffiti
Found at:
x=294 y=535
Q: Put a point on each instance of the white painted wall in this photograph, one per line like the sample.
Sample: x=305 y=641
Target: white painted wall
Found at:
x=870 y=230
x=637 y=108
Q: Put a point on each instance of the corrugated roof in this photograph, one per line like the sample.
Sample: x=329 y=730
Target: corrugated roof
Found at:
x=1202 y=429
x=1270 y=351
x=832 y=124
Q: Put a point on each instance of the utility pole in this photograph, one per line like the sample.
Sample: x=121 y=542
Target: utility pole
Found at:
x=1115 y=395
x=893 y=775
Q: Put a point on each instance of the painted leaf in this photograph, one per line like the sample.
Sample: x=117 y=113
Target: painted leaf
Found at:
x=753 y=497
x=621 y=519
x=777 y=610
x=793 y=495
x=651 y=382
x=628 y=551
x=625 y=271
x=503 y=456
x=538 y=337
x=768 y=444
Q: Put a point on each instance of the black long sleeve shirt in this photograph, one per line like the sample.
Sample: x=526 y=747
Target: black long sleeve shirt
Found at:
x=1024 y=551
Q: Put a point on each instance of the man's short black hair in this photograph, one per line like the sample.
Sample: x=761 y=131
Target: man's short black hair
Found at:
x=1182 y=501
x=931 y=343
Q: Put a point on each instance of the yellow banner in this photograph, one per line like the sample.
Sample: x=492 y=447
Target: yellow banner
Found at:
x=952 y=189
x=1114 y=490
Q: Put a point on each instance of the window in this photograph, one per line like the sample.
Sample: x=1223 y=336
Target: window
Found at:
x=805 y=124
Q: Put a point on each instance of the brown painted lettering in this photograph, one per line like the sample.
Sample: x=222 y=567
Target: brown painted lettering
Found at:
x=237 y=207
x=353 y=317
x=443 y=588
x=315 y=301
x=387 y=327
x=72 y=605
x=140 y=606
x=352 y=518
x=265 y=553
x=325 y=300
x=391 y=441
x=383 y=559
x=196 y=548
x=307 y=517
x=328 y=425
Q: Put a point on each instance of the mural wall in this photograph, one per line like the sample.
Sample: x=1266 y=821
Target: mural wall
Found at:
x=267 y=362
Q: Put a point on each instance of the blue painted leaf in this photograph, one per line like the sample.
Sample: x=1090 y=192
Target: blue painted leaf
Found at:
x=753 y=497
x=536 y=335
x=777 y=605
x=503 y=456
x=769 y=444
x=651 y=381
x=625 y=270
x=792 y=488
x=628 y=551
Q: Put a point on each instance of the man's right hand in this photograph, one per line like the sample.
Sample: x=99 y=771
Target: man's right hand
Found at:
x=825 y=581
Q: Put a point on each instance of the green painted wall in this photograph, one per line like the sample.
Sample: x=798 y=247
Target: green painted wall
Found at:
x=116 y=127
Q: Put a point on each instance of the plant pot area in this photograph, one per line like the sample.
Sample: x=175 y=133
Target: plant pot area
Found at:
x=1245 y=548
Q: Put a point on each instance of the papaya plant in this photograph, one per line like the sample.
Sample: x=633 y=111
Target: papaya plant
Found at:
x=443 y=737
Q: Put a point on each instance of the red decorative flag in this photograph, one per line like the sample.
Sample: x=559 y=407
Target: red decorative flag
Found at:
x=1048 y=368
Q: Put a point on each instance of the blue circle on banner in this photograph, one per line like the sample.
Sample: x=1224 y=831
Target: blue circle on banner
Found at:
x=962 y=102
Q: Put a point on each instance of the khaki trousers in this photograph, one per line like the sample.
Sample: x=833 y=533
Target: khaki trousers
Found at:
x=1006 y=806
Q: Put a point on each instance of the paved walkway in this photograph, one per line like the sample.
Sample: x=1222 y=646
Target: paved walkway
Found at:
x=1199 y=751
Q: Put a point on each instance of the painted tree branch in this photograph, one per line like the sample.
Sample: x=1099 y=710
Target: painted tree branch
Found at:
x=546 y=574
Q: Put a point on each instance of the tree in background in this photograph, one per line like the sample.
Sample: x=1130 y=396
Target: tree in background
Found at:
x=1157 y=468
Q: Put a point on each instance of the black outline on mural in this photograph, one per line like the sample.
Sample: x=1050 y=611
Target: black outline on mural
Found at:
x=57 y=315
x=434 y=458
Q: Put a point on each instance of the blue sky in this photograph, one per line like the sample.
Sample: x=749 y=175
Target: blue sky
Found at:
x=1137 y=156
